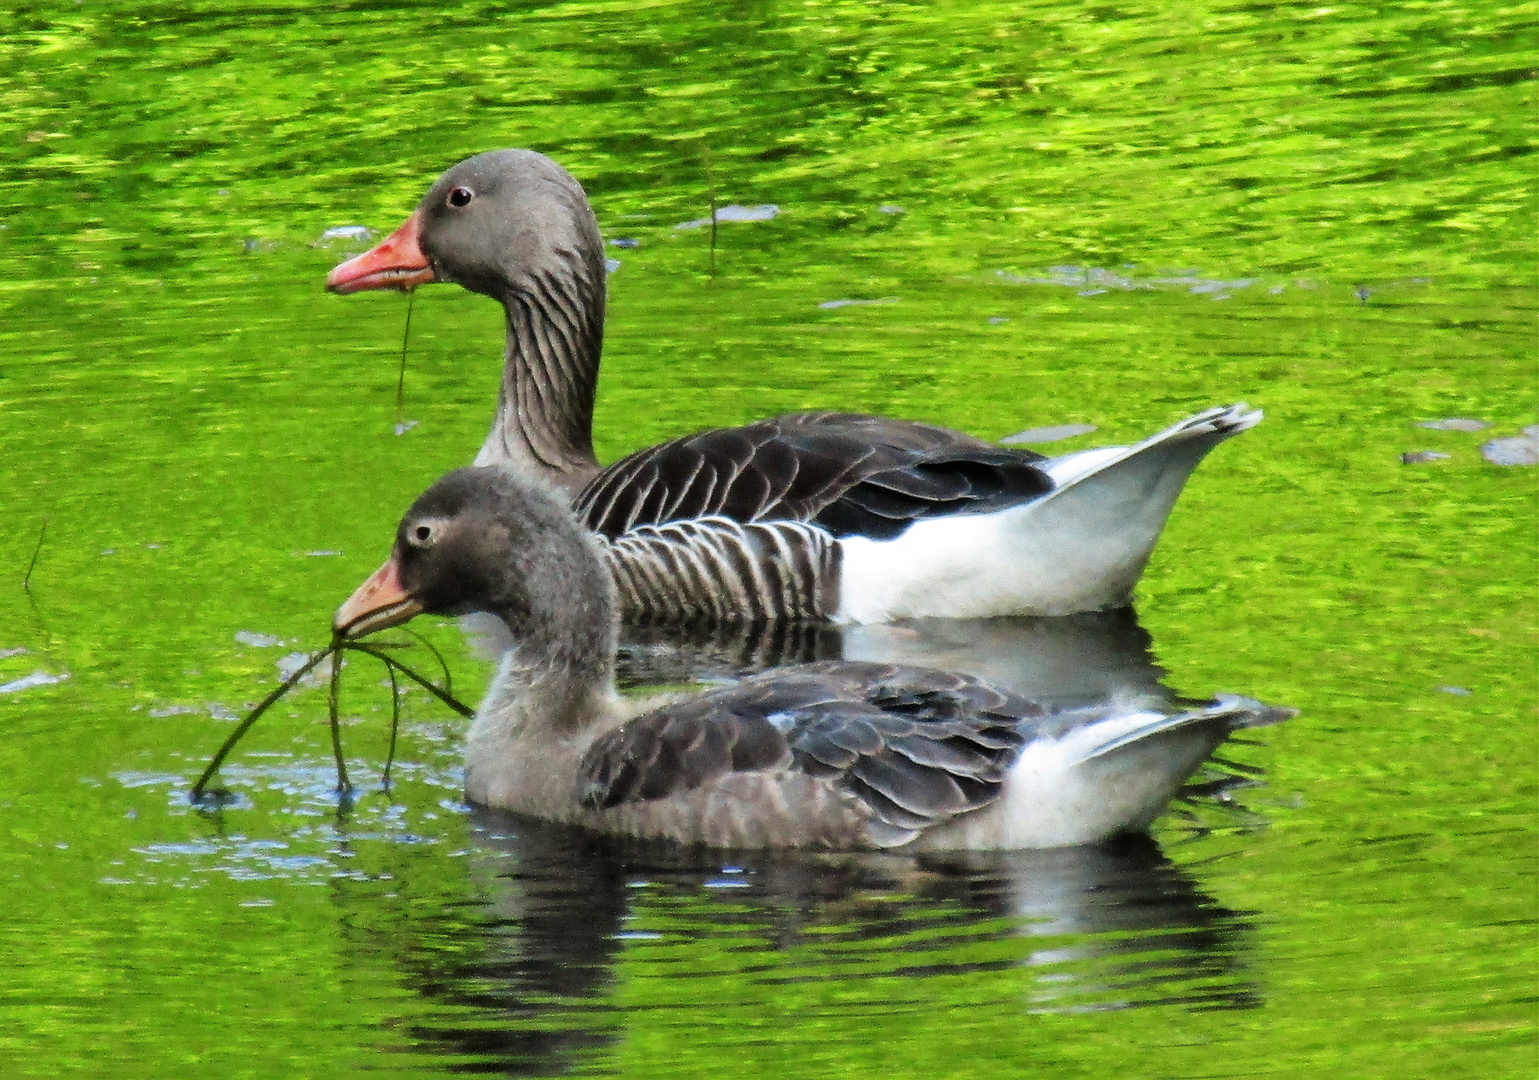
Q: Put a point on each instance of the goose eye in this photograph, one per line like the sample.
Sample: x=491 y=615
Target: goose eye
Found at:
x=460 y=196
x=423 y=535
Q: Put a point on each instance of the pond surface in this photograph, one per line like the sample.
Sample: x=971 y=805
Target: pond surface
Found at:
x=1077 y=214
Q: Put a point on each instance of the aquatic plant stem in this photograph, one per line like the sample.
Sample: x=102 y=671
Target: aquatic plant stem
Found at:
x=443 y=665
x=343 y=784
x=251 y=718
x=336 y=649
x=400 y=383
x=26 y=582
x=395 y=723
x=448 y=699
x=710 y=187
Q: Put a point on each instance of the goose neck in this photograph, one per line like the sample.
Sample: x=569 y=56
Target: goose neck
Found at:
x=555 y=334
x=567 y=634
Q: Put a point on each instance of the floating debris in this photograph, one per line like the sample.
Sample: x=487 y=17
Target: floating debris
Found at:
x=734 y=212
x=1455 y=423
x=889 y=208
x=219 y=712
x=1418 y=457
x=995 y=320
x=1362 y=292
x=18 y=651
x=357 y=233
x=827 y=304
x=160 y=712
x=611 y=265
x=624 y=242
x=1457 y=691
x=296 y=661
x=324 y=554
x=1055 y=433
x=27 y=682
x=1094 y=280
x=256 y=640
x=404 y=426
x=1515 y=449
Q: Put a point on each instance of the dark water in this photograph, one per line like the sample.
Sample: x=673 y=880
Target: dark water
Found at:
x=1074 y=214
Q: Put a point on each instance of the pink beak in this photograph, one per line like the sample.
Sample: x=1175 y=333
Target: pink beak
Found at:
x=396 y=262
x=378 y=603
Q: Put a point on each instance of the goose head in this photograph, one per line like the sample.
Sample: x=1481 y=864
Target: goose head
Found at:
x=483 y=540
x=495 y=223
x=514 y=226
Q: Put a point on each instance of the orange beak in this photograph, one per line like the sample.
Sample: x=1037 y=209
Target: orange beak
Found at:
x=377 y=604
x=396 y=262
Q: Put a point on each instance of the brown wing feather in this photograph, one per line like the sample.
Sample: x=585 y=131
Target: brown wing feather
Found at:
x=915 y=746
x=852 y=474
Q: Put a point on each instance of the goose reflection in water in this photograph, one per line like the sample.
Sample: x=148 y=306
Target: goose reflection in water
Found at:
x=570 y=916
x=1065 y=662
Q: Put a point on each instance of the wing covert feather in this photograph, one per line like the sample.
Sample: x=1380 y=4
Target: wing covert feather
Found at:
x=910 y=747
x=851 y=474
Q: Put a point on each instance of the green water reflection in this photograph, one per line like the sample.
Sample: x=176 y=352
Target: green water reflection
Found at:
x=1110 y=215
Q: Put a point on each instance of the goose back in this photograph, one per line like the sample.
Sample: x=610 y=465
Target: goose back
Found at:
x=848 y=473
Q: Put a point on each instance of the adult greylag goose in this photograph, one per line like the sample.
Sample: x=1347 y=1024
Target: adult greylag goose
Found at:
x=838 y=754
x=810 y=515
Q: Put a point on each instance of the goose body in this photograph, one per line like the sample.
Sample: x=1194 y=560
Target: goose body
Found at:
x=838 y=754
x=836 y=516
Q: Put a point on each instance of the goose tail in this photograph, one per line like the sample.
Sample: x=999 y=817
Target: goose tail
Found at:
x=1109 y=769
x=1225 y=714
x=1101 y=522
x=1080 y=547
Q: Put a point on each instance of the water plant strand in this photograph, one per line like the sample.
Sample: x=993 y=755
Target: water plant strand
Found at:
x=333 y=691
x=400 y=383
x=335 y=649
x=251 y=718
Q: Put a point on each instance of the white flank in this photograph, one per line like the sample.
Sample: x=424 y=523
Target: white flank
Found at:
x=1082 y=547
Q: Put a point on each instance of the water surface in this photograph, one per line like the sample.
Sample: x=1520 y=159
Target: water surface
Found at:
x=1077 y=214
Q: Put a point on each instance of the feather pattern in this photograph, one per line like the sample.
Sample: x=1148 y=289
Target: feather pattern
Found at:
x=850 y=474
x=909 y=747
x=716 y=570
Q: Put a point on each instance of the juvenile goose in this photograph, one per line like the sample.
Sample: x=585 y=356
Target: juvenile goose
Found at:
x=839 y=754
x=809 y=515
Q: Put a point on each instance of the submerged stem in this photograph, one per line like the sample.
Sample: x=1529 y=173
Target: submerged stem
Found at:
x=395 y=722
x=710 y=185
x=343 y=785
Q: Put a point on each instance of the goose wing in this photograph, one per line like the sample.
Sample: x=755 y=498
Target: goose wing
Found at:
x=851 y=474
x=914 y=747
